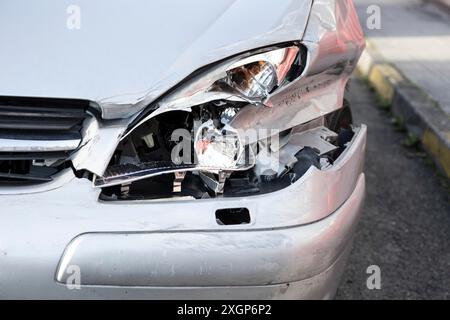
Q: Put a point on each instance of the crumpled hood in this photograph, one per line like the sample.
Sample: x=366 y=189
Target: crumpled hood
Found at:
x=130 y=51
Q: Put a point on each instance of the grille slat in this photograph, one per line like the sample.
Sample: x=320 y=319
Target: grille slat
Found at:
x=39 y=135
x=38 y=129
x=21 y=116
x=27 y=111
x=33 y=155
x=36 y=123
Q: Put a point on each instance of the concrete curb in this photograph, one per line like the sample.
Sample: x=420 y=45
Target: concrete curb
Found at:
x=421 y=115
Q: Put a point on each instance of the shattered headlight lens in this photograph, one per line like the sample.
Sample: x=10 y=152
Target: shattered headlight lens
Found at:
x=217 y=149
x=246 y=78
x=254 y=78
x=254 y=81
x=212 y=97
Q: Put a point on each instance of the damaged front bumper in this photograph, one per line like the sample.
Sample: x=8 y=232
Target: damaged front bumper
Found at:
x=114 y=214
x=294 y=246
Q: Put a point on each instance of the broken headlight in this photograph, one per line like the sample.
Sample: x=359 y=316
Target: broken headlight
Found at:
x=186 y=140
x=247 y=78
x=254 y=78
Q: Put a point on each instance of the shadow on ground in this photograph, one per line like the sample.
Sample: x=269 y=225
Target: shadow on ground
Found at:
x=405 y=228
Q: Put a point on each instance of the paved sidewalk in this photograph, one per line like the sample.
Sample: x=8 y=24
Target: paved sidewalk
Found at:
x=408 y=63
x=405 y=225
x=415 y=36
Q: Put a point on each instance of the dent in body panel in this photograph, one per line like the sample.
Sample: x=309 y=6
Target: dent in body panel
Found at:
x=191 y=259
x=335 y=41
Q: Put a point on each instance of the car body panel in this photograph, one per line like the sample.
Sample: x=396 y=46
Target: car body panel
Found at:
x=334 y=42
x=123 y=58
x=199 y=258
x=314 y=196
x=38 y=232
x=126 y=52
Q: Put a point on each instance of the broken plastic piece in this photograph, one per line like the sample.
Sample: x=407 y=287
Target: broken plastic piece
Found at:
x=127 y=173
x=318 y=138
x=216 y=185
x=179 y=177
x=218 y=148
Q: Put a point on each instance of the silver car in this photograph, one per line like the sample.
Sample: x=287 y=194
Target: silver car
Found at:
x=177 y=149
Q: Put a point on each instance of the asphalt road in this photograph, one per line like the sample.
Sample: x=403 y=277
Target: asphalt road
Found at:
x=405 y=228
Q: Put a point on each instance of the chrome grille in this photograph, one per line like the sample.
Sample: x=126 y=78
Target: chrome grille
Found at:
x=38 y=125
x=37 y=135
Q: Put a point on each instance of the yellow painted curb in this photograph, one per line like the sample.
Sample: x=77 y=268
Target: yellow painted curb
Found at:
x=438 y=149
x=384 y=78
